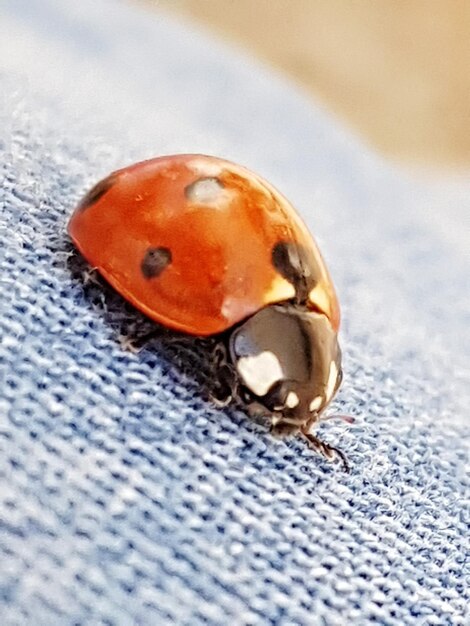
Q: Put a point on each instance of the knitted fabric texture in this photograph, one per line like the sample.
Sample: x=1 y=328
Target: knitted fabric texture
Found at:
x=126 y=497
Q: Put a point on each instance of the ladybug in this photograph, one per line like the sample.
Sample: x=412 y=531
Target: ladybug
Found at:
x=208 y=248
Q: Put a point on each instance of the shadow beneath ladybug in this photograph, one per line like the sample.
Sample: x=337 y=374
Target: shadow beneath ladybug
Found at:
x=194 y=357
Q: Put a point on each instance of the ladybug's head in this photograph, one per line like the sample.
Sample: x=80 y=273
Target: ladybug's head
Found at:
x=289 y=359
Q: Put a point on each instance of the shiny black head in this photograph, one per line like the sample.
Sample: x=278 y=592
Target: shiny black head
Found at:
x=289 y=360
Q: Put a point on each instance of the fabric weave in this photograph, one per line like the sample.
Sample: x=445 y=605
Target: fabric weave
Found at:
x=125 y=496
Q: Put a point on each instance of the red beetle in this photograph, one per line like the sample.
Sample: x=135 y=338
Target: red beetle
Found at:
x=206 y=247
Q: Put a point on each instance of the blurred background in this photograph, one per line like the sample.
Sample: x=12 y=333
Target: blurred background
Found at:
x=125 y=498
x=396 y=71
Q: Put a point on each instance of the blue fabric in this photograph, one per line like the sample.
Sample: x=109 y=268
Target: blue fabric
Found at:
x=125 y=496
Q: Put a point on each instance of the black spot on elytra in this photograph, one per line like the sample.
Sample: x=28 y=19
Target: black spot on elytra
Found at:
x=155 y=261
x=292 y=261
x=190 y=190
x=97 y=192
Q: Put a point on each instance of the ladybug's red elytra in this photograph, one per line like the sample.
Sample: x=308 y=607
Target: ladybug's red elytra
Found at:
x=206 y=247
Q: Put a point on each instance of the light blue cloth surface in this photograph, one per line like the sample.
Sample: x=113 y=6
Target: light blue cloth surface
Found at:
x=125 y=497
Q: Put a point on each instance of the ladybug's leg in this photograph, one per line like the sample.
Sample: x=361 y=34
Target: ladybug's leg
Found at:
x=328 y=452
x=285 y=429
x=224 y=384
x=255 y=409
x=136 y=343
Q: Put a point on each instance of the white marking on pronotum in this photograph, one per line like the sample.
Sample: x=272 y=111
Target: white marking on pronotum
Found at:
x=292 y=400
x=260 y=372
x=332 y=378
x=315 y=404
